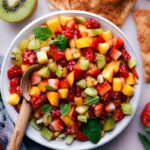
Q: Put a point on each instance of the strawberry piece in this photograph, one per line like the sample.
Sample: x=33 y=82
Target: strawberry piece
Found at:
x=95 y=41
x=115 y=54
x=79 y=73
x=64 y=83
x=118 y=115
x=125 y=55
x=35 y=78
x=80 y=136
x=145 y=116
x=123 y=71
x=14 y=72
x=92 y=23
x=103 y=88
x=93 y=72
x=135 y=73
x=118 y=42
x=98 y=109
x=56 y=125
x=54 y=83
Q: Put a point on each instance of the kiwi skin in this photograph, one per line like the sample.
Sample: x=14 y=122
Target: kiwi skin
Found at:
x=30 y=13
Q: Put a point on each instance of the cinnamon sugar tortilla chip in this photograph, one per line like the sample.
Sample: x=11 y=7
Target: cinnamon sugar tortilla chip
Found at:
x=142 y=20
x=115 y=13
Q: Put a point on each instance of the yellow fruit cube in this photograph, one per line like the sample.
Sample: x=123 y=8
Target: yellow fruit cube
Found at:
x=72 y=43
x=78 y=101
x=107 y=73
x=76 y=53
x=42 y=85
x=54 y=24
x=24 y=68
x=83 y=42
x=130 y=80
x=117 y=84
x=42 y=57
x=63 y=93
x=90 y=81
x=68 y=54
x=34 y=91
x=128 y=90
x=107 y=35
x=70 y=78
x=24 y=44
x=115 y=65
x=13 y=99
x=67 y=120
x=103 y=48
x=65 y=19
x=53 y=98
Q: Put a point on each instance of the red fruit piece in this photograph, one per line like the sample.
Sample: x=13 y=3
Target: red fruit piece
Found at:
x=56 y=125
x=71 y=94
x=110 y=107
x=145 y=116
x=54 y=83
x=63 y=62
x=73 y=128
x=78 y=91
x=14 y=72
x=95 y=41
x=118 y=42
x=115 y=54
x=18 y=91
x=80 y=136
x=70 y=65
x=106 y=97
x=92 y=23
x=93 y=72
x=98 y=109
x=71 y=24
x=125 y=55
x=29 y=57
x=55 y=113
x=135 y=73
x=35 y=78
x=103 y=88
x=116 y=95
x=123 y=71
x=64 y=83
x=79 y=73
x=118 y=115
x=14 y=82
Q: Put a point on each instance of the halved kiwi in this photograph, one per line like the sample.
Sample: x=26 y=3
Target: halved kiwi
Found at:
x=16 y=10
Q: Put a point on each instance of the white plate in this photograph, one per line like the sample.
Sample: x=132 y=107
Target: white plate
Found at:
x=35 y=135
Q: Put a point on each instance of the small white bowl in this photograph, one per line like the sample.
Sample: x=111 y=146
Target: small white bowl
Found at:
x=35 y=135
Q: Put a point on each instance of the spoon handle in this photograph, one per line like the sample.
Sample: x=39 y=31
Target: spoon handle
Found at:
x=20 y=126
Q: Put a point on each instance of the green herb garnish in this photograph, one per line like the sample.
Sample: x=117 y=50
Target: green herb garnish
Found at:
x=61 y=42
x=92 y=100
x=145 y=141
x=49 y=88
x=65 y=108
x=46 y=108
x=92 y=129
x=42 y=33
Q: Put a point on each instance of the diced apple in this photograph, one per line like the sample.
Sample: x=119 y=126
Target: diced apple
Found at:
x=82 y=84
x=82 y=109
x=13 y=99
x=53 y=98
x=91 y=91
x=44 y=72
x=115 y=65
x=24 y=68
x=118 y=42
x=78 y=101
x=101 y=61
x=115 y=54
x=83 y=42
x=72 y=43
x=107 y=35
x=34 y=44
x=54 y=24
x=63 y=93
x=90 y=81
x=83 y=63
x=67 y=120
x=68 y=54
x=94 y=32
x=54 y=83
x=130 y=80
x=76 y=53
x=65 y=19
x=52 y=66
x=42 y=85
x=117 y=84
x=34 y=91
x=59 y=72
x=42 y=57
x=103 y=48
x=82 y=28
x=70 y=78
x=128 y=90
x=35 y=78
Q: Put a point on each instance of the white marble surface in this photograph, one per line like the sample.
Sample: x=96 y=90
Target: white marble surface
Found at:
x=128 y=139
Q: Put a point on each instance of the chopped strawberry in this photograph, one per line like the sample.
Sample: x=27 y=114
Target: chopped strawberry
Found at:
x=103 y=88
x=80 y=136
x=118 y=42
x=78 y=73
x=145 y=116
x=35 y=78
x=98 y=109
x=123 y=71
x=115 y=54
x=135 y=73
x=56 y=125
x=64 y=83
x=54 y=83
x=95 y=41
x=14 y=72
x=93 y=72
x=125 y=55
x=118 y=115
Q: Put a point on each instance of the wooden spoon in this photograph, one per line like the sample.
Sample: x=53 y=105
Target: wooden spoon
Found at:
x=25 y=111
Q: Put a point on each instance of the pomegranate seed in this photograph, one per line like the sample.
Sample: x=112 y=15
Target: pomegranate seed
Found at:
x=71 y=94
x=63 y=62
x=55 y=113
x=123 y=71
x=14 y=82
x=118 y=115
x=125 y=55
x=78 y=91
x=14 y=72
x=106 y=97
x=92 y=23
x=18 y=91
x=70 y=65
x=116 y=95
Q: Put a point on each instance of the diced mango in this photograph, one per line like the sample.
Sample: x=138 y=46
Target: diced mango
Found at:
x=54 y=24
x=76 y=53
x=115 y=65
x=130 y=80
x=103 y=48
x=67 y=120
x=34 y=91
x=42 y=57
x=108 y=73
x=13 y=99
x=83 y=42
x=78 y=101
x=117 y=84
x=24 y=68
x=53 y=98
x=68 y=54
x=42 y=85
x=128 y=90
x=90 y=81
x=70 y=78
x=72 y=112
x=63 y=93
x=72 y=43
x=107 y=35
x=65 y=19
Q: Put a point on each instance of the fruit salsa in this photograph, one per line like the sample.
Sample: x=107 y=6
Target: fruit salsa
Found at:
x=85 y=83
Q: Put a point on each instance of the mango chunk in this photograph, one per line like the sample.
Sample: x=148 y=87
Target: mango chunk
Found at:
x=65 y=19
x=103 y=48
x=53 y=98
x=67 y=120
x=107 y=35
x=117 y=84
x=130 y=80
x=63 y=93
x=34 y=91
x=13 y=99
x=128 y=90
x=83 y=42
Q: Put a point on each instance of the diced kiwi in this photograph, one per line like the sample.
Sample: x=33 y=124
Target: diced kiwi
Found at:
x=34 y=44
x=109 y=124
x=46 y=133
x=17 y=10
x=59 y=72
x=80 y=19
x=94 y=32
x=34 y=125
x=82 y=109
x=100 y=60
x=44 y=72
x=126 y=108
x=82 y=118
x=81 y=83
x=83 y=63
x=91 y=91
x=52 y=66
x=132 y=62
x=47 y=119
x=69 y=139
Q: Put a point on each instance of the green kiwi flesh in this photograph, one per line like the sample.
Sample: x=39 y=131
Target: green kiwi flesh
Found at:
x=17 y=10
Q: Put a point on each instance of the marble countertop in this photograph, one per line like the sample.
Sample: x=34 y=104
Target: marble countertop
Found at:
x=128 y=138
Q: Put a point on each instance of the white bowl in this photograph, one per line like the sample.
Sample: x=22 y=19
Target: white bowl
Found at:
x=35 y=135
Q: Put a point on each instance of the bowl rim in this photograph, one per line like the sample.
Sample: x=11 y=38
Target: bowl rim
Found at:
x=75 y=12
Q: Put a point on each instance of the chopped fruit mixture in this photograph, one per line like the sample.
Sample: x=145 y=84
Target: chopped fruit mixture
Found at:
x=85 y=83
